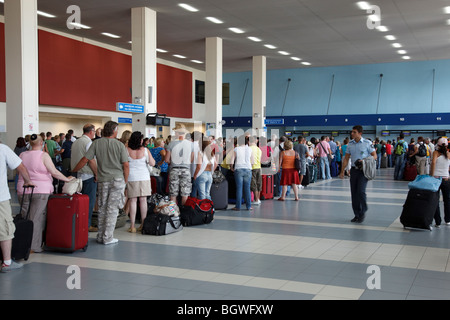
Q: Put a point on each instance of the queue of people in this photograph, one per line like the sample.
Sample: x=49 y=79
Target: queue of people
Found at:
x=115 y=171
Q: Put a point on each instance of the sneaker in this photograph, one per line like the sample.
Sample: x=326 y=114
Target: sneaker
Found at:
x=447 y=223
x=13 y=266
x=437 y=226
x=256 y=202
x=114 y=240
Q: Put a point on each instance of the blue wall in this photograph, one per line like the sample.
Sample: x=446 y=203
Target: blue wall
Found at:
x=406 y=87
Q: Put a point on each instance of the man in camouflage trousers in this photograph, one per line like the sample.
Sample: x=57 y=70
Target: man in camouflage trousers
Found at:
x=180 y=156
x=112 y=176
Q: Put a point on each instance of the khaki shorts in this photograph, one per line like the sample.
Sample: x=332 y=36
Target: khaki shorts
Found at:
x=7 y=226
x=256 y=183
x=137 y=189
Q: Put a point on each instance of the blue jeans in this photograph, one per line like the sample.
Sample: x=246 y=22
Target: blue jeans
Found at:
x=243 y=178
x=278 y=187
x=400 y=162
x=325 y=168
x=203 y=185
x=90 y=188
x=389 y=160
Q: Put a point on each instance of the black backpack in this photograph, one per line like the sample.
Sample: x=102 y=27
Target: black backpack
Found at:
x=422 y=150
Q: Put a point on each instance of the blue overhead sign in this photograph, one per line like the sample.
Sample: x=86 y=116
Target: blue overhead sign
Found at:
x=125 y=120
x=274 y=122
x=129 y=107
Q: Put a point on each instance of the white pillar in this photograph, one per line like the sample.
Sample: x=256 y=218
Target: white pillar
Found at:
x=21 y=60
x=259 y=94
x=213 y=83
x=143 y=47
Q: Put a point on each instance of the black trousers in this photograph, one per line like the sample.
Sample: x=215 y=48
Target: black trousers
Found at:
x=358 y=184
x=445 y=189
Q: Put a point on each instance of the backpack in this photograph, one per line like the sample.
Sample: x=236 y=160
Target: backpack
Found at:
x=399 y=149
x=422 y=150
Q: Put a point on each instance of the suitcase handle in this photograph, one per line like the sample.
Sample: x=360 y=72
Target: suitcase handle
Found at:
x=23 y=197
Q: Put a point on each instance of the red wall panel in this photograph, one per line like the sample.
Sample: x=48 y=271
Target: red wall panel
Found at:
x=2 y=64
x=174 y=93
x=80 y=75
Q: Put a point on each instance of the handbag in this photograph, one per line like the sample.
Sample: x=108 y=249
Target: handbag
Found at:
x=73 y=186
x=297 y=162
x=425 y=182
x=154 y=171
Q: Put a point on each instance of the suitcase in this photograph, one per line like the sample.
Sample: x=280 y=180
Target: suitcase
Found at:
x=267 y=187
x=305 y=180
x=219 y=195
x=67 y=223
x=410 y=172
x=383 y=163
x=419 y=209
x=23 y=236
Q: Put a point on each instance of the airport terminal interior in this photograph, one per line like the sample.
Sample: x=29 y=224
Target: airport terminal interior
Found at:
x=293 y=68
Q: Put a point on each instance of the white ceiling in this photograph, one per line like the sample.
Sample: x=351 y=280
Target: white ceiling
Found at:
x=322 y=32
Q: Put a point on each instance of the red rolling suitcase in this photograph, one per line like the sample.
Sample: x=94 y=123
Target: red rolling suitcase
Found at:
x=410 y=172
x=67 y=223
x=267 y=187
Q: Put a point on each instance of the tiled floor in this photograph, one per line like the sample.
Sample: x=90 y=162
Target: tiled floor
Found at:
x=288 y=250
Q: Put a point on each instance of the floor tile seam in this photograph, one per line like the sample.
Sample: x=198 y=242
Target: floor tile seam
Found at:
x=304 y=253
x=384 y=195
x=247 y=281
x=349 y=201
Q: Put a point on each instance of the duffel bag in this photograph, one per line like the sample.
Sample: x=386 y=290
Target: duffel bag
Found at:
x=196 y=212
x=161 y=224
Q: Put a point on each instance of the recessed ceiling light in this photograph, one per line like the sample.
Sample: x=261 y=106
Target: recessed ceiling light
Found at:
x=188 y=7
x=284 y=53
x=45 y=14
x=236 y=30
x=306 y=63
x=215 y=20
x=375 y=17
x=396 y=45
x=270 y=46
x=390 y=37
x=296 y=58
x=197 y=61
x=406 y=57
x=110 y=35
x=255 y=39
x=401 y=51
x=447 y=10
x=382 y=28
x=179 y=56
x=161 y=50
x=79 y=25
x=363 y=5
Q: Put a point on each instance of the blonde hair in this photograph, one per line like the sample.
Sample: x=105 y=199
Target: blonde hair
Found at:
x=125 y=136
x=158 y=142
x=287 y=145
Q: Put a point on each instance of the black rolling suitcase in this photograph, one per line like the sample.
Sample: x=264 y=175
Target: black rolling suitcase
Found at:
x=219 y=195
x=21 y=244
x=419 y=209
x=306 y=177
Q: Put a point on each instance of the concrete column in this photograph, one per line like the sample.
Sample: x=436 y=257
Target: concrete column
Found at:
x=143 y=47
x=22 y=76
x=259 y=94
x=213 y=83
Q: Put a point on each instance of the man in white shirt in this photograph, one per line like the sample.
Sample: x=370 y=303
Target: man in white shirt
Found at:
x=8 y=159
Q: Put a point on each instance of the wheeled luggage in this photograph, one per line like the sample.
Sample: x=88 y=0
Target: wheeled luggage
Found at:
x=219 y=195
x=419 y=209
x=383 y=162
x=158 y=224
x=267 y=187
x=305 y=180
x=23 y=236
x=410 y=172
x=67 y=223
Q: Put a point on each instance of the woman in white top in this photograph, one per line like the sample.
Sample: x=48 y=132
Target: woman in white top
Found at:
x=439 y=169
x=139 y=185
x=206 y=164
x=243 y=160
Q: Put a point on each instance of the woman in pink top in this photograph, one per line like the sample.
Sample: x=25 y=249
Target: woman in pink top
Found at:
x=40 y=166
